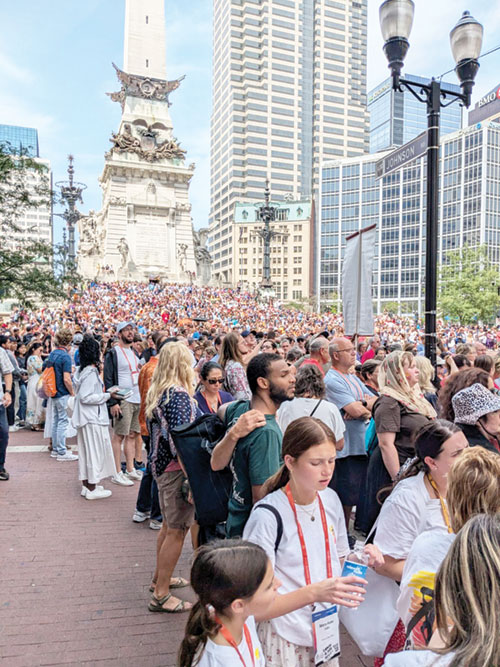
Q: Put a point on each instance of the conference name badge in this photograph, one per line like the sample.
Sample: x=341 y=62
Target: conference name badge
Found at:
x=325 y=624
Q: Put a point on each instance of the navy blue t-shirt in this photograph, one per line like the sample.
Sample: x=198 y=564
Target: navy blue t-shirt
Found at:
x=61 y=361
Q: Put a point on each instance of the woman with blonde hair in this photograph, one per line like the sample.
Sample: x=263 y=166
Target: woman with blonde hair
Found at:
x=467 y=602
x=232 y=360
x=169 y=403
x=473 y=488
x=426 y=375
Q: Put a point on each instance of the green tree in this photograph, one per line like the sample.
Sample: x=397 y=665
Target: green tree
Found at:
x=27 y=268
x=468 y=286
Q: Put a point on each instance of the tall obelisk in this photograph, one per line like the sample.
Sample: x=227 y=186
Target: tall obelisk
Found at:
x=144 y=228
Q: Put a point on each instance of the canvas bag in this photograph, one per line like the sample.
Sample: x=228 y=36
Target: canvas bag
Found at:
x=372 y=623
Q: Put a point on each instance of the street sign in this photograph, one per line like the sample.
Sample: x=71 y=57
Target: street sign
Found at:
x=402 y=156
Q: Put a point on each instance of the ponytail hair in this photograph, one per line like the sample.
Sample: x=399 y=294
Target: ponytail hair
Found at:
x=300 y=435
x=222 y=571
x=428 y=441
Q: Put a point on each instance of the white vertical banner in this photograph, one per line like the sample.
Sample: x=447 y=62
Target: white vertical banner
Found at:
x=357 y=282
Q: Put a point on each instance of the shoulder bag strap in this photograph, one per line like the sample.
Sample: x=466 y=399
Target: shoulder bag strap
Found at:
x=315 y=407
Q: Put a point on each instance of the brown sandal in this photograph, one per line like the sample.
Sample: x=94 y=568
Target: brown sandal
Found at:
x=175 y=582
x=157 y=605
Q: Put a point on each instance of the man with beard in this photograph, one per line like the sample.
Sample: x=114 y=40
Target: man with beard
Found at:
x=252 y=444
x=121 y=368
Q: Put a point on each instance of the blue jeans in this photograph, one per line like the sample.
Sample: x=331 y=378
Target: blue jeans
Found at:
x=4 y=435
x=60 y=424
x=21 y=410
x=147 y=498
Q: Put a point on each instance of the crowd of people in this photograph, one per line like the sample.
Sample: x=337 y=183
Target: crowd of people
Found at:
x=321 y=479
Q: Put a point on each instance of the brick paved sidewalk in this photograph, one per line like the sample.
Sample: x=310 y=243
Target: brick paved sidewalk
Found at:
x=75 y=574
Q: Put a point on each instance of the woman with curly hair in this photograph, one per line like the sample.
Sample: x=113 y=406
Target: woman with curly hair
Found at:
x=91 y=420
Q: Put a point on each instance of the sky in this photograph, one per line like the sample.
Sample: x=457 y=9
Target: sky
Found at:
x=55 y=70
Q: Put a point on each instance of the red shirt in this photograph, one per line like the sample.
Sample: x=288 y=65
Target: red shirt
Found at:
x=313 y=362
x=369 y=354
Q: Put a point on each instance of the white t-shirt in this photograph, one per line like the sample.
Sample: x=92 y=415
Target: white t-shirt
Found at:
x=417 y=659
x=126 y=378
x=426 y=555
x=302 y=407
x=261 y=528
x=215 y=655
x=406 y=513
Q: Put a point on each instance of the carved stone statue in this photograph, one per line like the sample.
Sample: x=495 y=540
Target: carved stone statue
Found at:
x=202 y=257
x=90 y=235
x=147 y=146
x=182 y=255
x=123 y=249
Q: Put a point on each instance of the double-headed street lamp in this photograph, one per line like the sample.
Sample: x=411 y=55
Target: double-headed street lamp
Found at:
x=396 y=19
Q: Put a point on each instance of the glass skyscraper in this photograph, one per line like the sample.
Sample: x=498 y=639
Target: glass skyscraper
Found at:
x=20 y=139
x=397 y=117
x=289 y=81
x=469 y=213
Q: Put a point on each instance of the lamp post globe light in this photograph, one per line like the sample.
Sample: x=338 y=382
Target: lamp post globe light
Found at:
x=396 y=20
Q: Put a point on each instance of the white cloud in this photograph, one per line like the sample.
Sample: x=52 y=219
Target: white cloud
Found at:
x=12 y=70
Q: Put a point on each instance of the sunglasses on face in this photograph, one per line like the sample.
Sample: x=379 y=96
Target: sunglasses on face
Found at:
x=216 y=381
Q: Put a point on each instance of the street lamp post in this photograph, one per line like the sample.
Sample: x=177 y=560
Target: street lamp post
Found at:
x=267 y=214
x=396 y=19
x=71 y=192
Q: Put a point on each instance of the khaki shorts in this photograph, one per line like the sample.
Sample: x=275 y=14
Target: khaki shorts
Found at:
x=129 y=421
x=177 y=513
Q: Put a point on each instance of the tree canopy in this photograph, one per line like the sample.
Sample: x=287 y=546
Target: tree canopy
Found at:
x=27 y=266
x=468 y=287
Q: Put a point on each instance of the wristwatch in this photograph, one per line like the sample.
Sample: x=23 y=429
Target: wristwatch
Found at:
x=364 y=403
x=7 y=391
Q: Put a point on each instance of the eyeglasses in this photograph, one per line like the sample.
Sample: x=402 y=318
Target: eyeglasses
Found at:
x=216 y=381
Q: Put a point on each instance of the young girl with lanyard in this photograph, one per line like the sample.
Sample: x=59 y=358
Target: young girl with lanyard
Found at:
x=233 y=580
x=312 y=546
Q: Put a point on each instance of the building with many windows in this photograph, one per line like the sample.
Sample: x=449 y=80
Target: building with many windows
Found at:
x=397 y=117
x=20 y=139
x=469 y=213
x=35 y=224
x=291 y=250
x=289 y=81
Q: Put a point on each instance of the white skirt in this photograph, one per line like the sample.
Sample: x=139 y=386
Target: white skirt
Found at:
x=95 y=454
x=278 y=651
x=34 y=404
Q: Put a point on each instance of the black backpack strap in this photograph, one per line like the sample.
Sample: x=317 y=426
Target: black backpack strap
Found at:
x=424 y=610
x=315 y=407
x=279 y=521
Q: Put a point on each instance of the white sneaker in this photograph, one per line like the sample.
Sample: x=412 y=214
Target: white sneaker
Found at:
x=53 y=455
x=120 y=479
x=67 y=457
x=84 y=490
x=98 y=493
x=154 y=524
x=14 y=428
x=133 y=474
x=139 y=517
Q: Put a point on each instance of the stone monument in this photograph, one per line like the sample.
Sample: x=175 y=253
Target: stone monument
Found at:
x=144 y=227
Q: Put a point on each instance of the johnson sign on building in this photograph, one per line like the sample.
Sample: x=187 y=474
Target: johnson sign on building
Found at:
x=487 y=107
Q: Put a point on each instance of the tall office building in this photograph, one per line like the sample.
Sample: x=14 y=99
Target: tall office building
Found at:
x=288 y=91
x=20 y=139
x=397 y=117
x=469 y=213
x=35 y=224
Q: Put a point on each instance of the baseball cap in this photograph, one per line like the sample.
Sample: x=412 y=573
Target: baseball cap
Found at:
x=122 y=325
x=77 y=338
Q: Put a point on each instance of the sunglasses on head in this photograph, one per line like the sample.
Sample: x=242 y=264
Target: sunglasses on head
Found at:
x=216 y=381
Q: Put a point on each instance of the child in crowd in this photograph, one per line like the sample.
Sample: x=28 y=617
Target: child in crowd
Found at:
x=234 y=580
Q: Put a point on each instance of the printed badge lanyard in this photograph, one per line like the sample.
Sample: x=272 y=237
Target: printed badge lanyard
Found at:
x=229 y=638
x=307 y=572
x=444 y=508
x=129 y=365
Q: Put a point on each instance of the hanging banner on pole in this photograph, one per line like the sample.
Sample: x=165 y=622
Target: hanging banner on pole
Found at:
x=357 y=282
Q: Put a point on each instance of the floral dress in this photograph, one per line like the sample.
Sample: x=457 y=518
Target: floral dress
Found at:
x=34 y=409
x=236 y=382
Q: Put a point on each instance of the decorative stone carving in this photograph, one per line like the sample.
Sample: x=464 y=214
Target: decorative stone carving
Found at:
x=147 y=147
x=183 y=207
x=141 y=86
x=182 y=255
x=123 y=249
x=118 y=201
x=202 y=257
x=90 y=234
